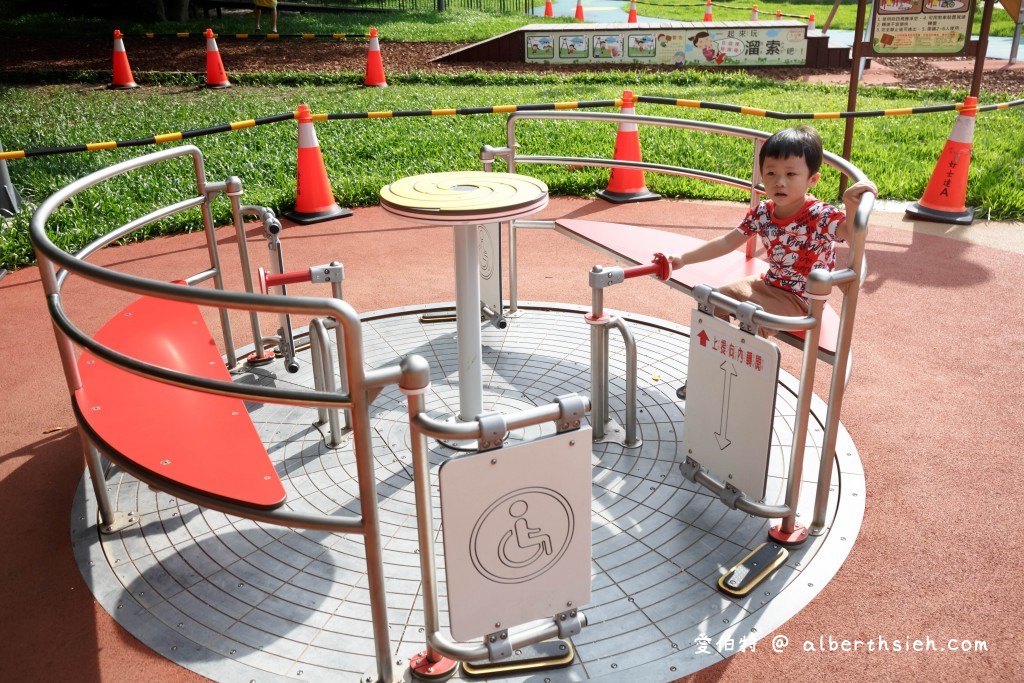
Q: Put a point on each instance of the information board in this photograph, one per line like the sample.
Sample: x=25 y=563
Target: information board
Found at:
x=731 y=380
x=921 y=27
x=736 y=43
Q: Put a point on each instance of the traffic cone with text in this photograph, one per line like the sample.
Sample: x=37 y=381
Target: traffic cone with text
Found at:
x=374 y=64
x=122 y=70
x=707 y=12
x=314 y=201
x=215 y=74
x=944 y=199
x=549 y=11
x=626 y=185
x=579 y=10
x=631 y=19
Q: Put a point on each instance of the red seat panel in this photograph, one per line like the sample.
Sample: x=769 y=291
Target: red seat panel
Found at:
x=637 y=245
x=204 y=442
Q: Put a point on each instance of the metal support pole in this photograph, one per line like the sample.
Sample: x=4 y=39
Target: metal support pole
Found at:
x=750 y=248
x=340 y=342
x=319 y=353
x=218 y=274
x=10 y=200
x=415 y=370
x=234 y=192
x=979 y=57
x=467 y=321
x=111 y=520
x=803 y=410
x=1015 y=43
x=362 y=446
x=598 y=362
x=851 y=100
x=629 y=342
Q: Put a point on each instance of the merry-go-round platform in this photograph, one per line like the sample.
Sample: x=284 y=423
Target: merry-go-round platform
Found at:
x=233 y=599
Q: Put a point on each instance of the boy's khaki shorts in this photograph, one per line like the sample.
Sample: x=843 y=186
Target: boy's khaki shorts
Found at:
x=771 y=299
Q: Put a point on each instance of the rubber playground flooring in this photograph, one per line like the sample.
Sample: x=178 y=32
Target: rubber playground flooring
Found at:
x=932 y=406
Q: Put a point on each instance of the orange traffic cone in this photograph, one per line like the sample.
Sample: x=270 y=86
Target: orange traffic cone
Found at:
x=374 y=64
x=627 y=184
x=707 y=11
x=810 y=23
x=122 y=70
x=579 y=10
x=778 y=14
x=631 y=19
x=549 y=11
x=215 y=75
x=314 y=201
x=945 y=196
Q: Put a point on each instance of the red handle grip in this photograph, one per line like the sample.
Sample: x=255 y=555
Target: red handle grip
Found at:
x=659 y=267
x=268 y=280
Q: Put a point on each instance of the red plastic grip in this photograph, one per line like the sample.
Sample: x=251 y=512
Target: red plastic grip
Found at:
x=659 y=267
x=268 y=280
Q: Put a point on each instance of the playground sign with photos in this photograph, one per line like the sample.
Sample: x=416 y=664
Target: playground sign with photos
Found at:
x=921 y=27
x=735 y=43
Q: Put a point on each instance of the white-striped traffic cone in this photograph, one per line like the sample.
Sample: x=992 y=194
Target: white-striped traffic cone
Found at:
x=122 y=79
x=216 y=77
x=314 y=201
x=945 y=196
x=627 y=184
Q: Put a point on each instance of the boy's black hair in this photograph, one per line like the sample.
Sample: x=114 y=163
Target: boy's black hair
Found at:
x=800 y=141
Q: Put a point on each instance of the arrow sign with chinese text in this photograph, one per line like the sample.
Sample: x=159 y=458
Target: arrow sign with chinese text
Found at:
x=730 y=402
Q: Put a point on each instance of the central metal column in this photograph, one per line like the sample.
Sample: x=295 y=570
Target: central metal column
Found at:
x=467 y=319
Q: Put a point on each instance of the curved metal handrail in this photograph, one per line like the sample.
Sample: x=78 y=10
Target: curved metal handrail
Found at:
x=50 y=256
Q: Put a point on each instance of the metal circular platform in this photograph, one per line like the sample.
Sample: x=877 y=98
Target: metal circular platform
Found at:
x=235 y=600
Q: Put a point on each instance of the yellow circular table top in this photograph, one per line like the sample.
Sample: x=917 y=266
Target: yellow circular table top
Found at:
x=464 y=196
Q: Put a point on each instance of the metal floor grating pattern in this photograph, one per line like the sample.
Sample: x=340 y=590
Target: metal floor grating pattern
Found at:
x=233 y=600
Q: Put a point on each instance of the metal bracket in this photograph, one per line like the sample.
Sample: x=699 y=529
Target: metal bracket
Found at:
x=331 y=272
x=488 y=153
x=498 y=645
x=729 y=495
x=492 y=431
x=690 y=469
x=702 y=293
x=568 y=623
x=745 y=316
x=571 y=410
x=601 y=277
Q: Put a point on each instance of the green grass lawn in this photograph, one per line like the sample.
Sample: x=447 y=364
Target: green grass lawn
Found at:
x=898 y=153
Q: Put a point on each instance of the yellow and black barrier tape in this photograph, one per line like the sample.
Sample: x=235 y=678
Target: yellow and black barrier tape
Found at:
x=152 y=140
x=471 y=111
x=768 y=114
x=265 y=36
x=496 y=109
x=250 y=123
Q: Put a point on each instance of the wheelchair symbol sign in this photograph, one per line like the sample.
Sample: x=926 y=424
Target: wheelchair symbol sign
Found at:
x=516 y=530
x=522 y=535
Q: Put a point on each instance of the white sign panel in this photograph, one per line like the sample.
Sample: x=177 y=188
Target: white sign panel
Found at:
x=731 y=380
x=516 y=525
x=737 y=43
x=489 y=237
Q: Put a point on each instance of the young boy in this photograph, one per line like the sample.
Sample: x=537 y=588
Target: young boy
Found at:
x=270 y=6
x=797 y=230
